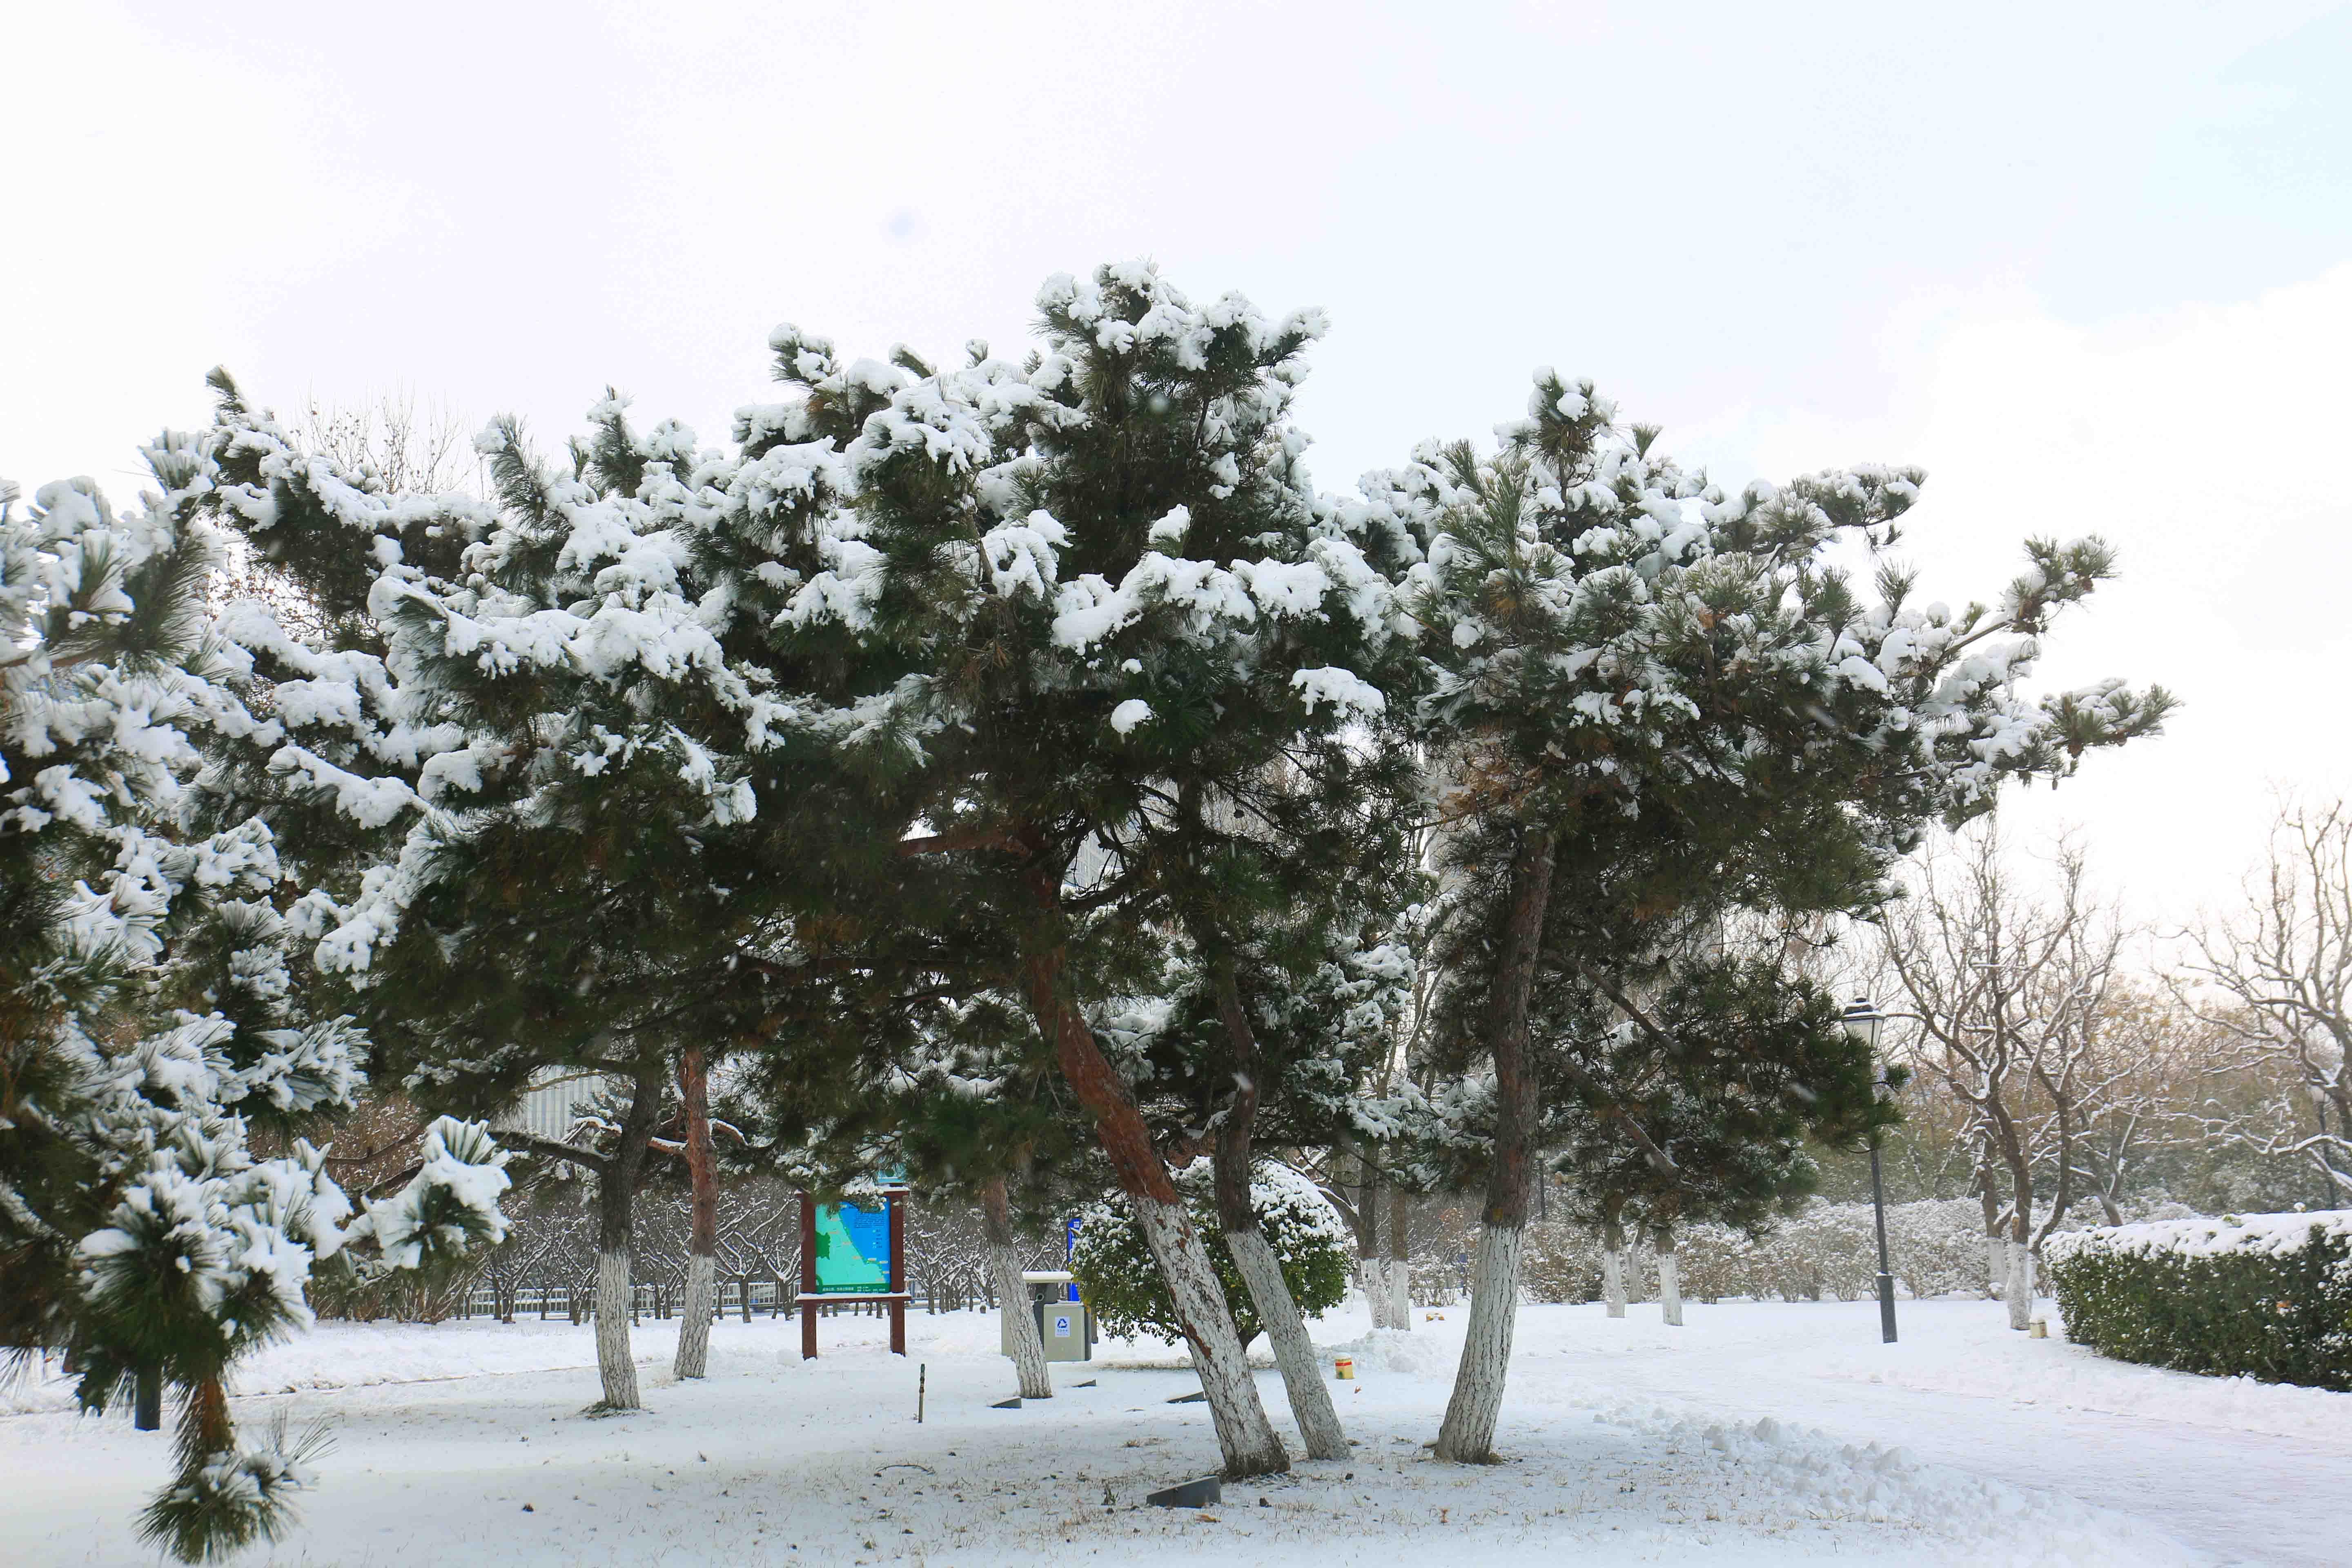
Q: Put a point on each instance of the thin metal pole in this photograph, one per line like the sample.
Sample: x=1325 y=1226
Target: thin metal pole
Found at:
x=1885 y=1275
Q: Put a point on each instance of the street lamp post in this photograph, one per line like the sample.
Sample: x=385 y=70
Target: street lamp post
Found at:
x=1863 y=1021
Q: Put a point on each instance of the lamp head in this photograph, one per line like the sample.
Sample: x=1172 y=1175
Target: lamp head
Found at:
x=1862 y=1021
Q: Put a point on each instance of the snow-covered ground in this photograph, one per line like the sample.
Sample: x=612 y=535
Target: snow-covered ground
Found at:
x=1759 y=1432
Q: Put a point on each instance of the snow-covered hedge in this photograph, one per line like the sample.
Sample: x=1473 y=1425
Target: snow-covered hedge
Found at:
x=2268 y=1296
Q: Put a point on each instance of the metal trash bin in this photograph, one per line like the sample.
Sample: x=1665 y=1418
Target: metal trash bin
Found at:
x=1064 y=1324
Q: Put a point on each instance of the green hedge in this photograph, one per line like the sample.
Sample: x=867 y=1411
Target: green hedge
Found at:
x=2264 y=1296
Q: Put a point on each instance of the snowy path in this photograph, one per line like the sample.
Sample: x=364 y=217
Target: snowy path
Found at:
x=1620 y=1437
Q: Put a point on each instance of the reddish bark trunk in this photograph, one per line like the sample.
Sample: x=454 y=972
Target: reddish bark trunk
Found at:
x=702 y=1242
x=701 y=1159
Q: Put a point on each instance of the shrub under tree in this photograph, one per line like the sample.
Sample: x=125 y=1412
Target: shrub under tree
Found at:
x=1128 y=1296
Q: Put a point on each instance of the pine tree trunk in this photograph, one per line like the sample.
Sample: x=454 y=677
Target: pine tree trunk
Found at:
x=1260 y=1271
x=1467 y=1436
x=702 y=1243
x=1612 y=1273
x=147 y=1400
x=615 y=1286
x=1371 y=1268
x=1477 y=1400
x=1670 y=1283
x=614 y=1363
x=1294 y=1351
x=1250 y=1448
x=1399 y=1268
x=1004 y=1263
x=1245 y=1436
x=1372 y=1277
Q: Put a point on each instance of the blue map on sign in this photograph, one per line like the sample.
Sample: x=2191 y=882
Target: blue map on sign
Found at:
x=852 y=1249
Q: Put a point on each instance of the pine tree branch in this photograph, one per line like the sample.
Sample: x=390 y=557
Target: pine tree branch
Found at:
x=962 y=839
x=532 y=1143
x=1606 y=1105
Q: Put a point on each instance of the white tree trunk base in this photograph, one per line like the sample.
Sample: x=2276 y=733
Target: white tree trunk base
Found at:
x=1612 y=1280
x=615 y=1365
x=1245 y=1435
x=694 y=1316
x=1368 y=1281
x=1294 y=1352
x=1670 y=1289
x=1028 y=1345
x=2020 y=1291
x=1468 y=1435
x=1400 y=1294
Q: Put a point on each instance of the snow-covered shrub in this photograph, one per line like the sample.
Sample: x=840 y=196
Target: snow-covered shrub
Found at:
x=1123 y=1287
x=2266 y=1296
x=1562 y=1263
x=1828 y=1251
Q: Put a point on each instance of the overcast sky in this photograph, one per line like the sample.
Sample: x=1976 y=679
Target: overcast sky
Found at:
x=2091 y=266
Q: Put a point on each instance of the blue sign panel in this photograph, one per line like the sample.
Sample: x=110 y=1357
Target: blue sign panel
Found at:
x=853 y=1249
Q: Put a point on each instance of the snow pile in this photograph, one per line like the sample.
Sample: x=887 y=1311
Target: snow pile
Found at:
x=1402 y=1354
x=1814 y=1475
x=1151 y=1355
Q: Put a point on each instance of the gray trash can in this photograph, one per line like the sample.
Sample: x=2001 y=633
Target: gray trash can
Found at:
x=1064 y=1324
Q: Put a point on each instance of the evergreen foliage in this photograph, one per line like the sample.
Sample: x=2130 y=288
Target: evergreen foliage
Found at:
x=147 y=1010
x=1129 y=1299
x=2268 y=1296
x=1018 y=773
x=1735 y=1072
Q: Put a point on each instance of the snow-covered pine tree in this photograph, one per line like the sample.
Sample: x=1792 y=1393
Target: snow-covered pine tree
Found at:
x=147 y=1012
x=570 y=804
x=1104 y=570
x=1389 y=1144
x=1648 y=688
x=500 y=815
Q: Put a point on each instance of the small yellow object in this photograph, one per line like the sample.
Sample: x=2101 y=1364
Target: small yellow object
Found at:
x=2040 y=1331
x=1345 y=1367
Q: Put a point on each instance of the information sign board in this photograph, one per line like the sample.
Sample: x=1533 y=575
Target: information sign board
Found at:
x=853 y=1249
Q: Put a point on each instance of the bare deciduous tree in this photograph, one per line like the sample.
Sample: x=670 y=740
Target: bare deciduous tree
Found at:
x=389 y=438
x=2012 y=995
x=2275 y=981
